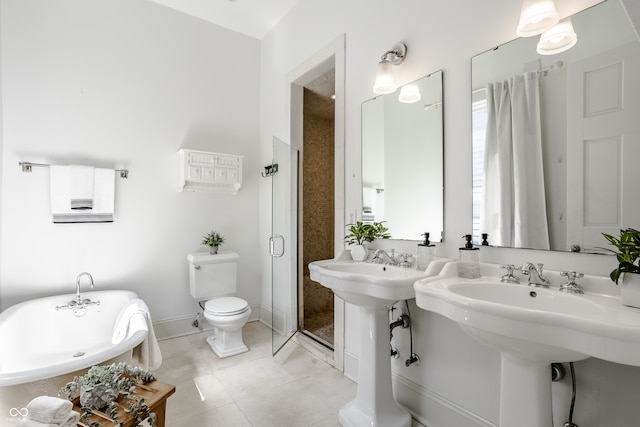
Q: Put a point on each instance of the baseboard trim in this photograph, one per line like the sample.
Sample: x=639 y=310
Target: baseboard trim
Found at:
x=268 y=317
x=435 y=410
x=179 y=326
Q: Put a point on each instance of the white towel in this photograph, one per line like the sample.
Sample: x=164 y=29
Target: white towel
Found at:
x=135 y=306
x=49 y=409
x=81 y=186
x=147 y=354
x=103 y=196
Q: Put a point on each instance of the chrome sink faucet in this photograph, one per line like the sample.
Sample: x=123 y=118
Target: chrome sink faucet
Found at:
x=536 y=276
x=381 y=257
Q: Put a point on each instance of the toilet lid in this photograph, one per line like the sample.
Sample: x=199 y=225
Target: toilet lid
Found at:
x=226 y=306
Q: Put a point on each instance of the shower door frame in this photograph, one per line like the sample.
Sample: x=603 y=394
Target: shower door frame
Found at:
x=332 y=56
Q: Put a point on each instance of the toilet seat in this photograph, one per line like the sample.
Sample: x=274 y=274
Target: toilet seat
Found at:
x=226 y=306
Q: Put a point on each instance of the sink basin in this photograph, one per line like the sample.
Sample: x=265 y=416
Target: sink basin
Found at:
x=533 y=327
x=373 y=288
x=365 y=283
x=542 y=323
x=516 y=297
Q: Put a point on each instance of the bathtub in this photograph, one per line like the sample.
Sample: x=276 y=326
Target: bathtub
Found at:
x=38 y=342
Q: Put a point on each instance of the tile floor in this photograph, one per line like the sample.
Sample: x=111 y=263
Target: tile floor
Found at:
x=253 y=389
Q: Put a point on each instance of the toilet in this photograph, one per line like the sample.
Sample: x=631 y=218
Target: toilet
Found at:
x=212 y=278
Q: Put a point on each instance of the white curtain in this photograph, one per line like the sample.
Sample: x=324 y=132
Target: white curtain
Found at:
x=513 y=209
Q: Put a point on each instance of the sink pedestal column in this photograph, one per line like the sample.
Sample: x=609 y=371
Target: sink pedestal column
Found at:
x=525 y=392
x=374 y=405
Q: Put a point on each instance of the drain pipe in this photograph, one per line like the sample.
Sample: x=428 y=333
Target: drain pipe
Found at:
x=414 y=357
x=402 y=321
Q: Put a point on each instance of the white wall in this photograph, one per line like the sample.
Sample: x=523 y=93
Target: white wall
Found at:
x=457 y=381
x=124 y=84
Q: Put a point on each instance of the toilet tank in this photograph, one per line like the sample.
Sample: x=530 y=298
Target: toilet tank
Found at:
x=212 y=276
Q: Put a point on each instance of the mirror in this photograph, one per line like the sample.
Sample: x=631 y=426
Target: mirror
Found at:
x=584 y=164
x=402 y=161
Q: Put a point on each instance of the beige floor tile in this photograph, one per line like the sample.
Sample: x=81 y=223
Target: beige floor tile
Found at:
x=287 y=405
x=253 y=389
x=228 y=415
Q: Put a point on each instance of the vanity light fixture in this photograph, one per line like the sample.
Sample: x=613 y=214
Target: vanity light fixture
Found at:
x=557 y=39
x=409 y=93
x=536 y=17
x=385 y=83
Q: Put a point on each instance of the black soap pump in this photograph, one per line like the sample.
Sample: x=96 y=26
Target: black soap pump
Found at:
x=469 y=265
x=426 y=253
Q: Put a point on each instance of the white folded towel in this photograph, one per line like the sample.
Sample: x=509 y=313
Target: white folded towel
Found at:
x=103 y=196
x=81 y=186
x=49 y=409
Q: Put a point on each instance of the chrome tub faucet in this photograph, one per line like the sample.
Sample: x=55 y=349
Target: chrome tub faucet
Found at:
x=79 y=303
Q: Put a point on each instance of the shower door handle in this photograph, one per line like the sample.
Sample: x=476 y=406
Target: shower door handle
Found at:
x=272 y=245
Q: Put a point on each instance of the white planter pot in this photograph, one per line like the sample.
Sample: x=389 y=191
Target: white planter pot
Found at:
x=359 y=252
x=630 y=290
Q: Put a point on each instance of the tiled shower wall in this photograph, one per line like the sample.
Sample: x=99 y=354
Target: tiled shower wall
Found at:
x=318 y=209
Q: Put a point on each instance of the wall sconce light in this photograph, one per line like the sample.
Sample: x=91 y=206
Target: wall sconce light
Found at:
x=409 y=93
x=536 y=17
x=557 y=39
x=385 y=83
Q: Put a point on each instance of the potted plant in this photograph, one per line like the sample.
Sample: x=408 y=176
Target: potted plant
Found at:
x=361 y=233
x=101 y=386
x=628 y=254
x=213 y=240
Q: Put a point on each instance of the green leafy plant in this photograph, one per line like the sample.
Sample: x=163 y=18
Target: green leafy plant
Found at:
x=627 y=253
x=213 y=239
x=360 y=232
x=117 y=379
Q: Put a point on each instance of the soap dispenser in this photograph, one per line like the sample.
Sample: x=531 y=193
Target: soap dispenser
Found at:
x=469 y=265
x=426 y=253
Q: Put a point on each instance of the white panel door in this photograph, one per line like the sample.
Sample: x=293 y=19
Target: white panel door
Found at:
x=603 y=146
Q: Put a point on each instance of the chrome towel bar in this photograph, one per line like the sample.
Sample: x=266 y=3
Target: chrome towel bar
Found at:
x=27 y=166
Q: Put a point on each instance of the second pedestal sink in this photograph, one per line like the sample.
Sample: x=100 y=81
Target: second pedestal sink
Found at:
x=533 y=327
x=373 y=288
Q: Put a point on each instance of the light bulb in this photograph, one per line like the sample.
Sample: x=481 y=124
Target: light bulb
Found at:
x=409 y=93
x=385 y=83
x=558 y=39
x=536 y=17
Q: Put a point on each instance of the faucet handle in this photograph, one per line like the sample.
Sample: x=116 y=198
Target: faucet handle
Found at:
x=509 y=277
x=571 y=286
x=572 y=275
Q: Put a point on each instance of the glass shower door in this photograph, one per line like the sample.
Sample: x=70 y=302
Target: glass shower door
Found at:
x=283 y=244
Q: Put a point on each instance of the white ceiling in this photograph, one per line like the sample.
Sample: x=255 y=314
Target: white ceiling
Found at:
x=254 y=18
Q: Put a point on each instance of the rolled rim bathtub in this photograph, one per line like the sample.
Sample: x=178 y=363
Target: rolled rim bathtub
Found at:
x=38 y=342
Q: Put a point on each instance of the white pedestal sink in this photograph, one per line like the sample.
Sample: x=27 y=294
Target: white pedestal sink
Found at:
x=532 y=328
x=373 y=288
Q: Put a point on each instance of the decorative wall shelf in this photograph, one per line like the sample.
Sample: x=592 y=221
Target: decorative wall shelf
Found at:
x=210 y=172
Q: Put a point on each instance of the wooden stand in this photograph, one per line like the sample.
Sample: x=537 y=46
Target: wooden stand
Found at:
x=154 y=393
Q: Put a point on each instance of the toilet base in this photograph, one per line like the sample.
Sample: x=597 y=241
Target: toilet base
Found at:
x=227 y=343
